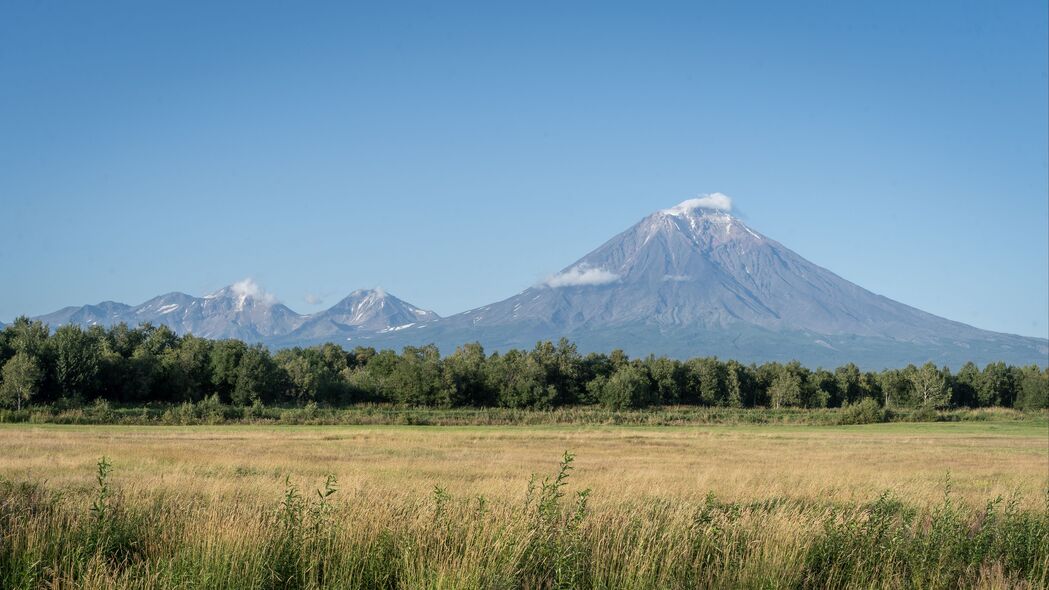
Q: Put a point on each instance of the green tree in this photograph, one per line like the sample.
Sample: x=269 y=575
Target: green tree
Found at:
x=966 y=385
x=316 y=373
x=849 y=390
x=372 y=381
x=418 y=378
x=28 y=336
x=705 y=382
x=810 y=395
x=21 y=377
x=6 y=351
x=785 y=391
x=467 y=378
x=628 y=387
x=77 y=362
x=824 y=387
x=562 y=367
x=997 y=387
x=596 y=368
x=158 y=339
x=358 y=358
x=764 y=375
x=1034 y=388
x=667 y=377
x=929 y=387
x=187 y=369
x=225 y=366
x=739 y=386
x=31 y=338
x=870 y=387
x=521 y=381
x=896 y=387
x=258 y=378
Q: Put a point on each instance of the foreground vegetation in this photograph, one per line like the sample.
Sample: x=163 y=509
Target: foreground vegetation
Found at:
x=148 y=364
x=212 y=411
x=898 y=505
x=549 y=538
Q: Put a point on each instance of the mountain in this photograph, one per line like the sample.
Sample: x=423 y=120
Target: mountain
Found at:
x=241 y=310
x=695 y=280
x=246 y=312
x=105 y=314
x=691 y=280
x=364 y=311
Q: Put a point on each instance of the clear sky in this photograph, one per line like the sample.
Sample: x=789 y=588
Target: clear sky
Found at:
x=457 y=153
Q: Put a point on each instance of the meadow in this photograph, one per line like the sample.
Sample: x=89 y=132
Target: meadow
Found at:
x=895 y=505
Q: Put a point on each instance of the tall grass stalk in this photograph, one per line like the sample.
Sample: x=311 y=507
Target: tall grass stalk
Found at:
x=117 y=536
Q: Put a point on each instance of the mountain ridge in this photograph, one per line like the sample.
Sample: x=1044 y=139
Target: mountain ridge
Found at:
x=690 y=280
x=241 y=310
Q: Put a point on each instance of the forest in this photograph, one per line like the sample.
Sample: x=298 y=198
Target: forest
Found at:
x=151 y=364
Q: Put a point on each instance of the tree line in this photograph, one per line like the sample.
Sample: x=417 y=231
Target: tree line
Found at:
x=149 y=364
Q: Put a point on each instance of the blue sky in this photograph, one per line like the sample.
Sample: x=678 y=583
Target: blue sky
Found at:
x=455 y=154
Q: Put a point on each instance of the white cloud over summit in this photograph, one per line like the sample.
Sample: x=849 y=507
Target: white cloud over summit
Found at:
x=719 y=201
x=249 y=288
x=582 y=275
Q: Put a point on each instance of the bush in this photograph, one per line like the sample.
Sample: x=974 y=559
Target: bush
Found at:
x=101 y=410
x=865 y=411
x=926 y=414
x=182 y=414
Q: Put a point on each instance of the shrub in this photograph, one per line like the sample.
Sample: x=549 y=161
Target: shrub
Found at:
x=865 y=411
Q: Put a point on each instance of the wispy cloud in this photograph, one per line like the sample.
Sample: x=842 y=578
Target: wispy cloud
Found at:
x=582 y=275
x=719 y=201
x=312 y=299
x=249 y=288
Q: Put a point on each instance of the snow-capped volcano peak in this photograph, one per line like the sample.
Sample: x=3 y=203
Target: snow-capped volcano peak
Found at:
x=244 y=293
x=704 y=222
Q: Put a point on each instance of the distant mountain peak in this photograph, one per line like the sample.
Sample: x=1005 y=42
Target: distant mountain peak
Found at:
x=376 y=294
x=361 y=312
x=705 y=222
x=244 y=293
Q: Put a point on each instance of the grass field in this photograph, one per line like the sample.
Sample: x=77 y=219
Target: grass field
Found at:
x=415 y=506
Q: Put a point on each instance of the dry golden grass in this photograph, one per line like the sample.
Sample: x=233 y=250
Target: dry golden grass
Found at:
x=736 y=462
x=201 y=507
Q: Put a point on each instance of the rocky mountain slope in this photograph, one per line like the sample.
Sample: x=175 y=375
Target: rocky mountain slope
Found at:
x=696 y=280
x=691 y=280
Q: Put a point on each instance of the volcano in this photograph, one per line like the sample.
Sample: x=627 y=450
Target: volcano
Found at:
x=695 y=280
